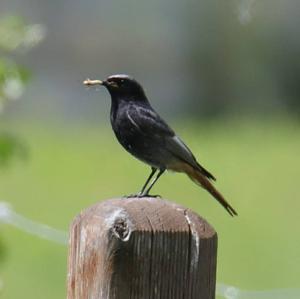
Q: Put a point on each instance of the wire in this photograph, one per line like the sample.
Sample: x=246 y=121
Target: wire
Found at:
x=9 y=216
x=230 y=292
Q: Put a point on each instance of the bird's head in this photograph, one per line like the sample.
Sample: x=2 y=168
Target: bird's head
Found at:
x=120 y=87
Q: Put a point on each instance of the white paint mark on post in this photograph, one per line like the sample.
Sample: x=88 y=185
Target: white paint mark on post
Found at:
x=195 y=238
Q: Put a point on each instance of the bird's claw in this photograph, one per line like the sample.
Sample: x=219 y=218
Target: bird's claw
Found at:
x=150 y=195
x=140 y=195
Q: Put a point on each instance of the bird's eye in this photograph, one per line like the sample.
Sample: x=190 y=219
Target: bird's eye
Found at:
x=112 y=83
x=122 y=81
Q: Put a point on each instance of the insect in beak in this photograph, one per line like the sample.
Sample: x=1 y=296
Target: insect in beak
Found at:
x=89 y=82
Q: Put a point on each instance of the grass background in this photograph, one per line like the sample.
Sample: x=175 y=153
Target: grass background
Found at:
x=257 y=165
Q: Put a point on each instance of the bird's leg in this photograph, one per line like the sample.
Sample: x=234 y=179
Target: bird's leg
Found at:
x=153 y=170
x=146 y=193
x=148 y=180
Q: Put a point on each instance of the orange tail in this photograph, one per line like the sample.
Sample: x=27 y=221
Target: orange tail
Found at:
x=204 y=182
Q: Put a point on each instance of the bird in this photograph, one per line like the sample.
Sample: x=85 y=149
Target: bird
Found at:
x=145 y=135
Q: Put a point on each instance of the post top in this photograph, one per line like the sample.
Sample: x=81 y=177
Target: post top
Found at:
x=145 y=214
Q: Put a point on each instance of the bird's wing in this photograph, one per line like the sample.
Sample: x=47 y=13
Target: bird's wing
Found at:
x=179 y=149
x=151 y=124
x=148 y=121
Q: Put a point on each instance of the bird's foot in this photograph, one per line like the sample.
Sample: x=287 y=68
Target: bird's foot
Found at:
x=140 y=195
x=133 y=195
x=150 y=195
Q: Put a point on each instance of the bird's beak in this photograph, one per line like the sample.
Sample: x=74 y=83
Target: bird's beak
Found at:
x=89 y=82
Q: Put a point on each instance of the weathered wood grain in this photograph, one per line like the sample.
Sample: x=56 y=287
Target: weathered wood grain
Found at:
x=138 y=248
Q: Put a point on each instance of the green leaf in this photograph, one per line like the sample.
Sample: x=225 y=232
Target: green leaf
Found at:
x=15 y=33
x=12 y=80
x=11 y=147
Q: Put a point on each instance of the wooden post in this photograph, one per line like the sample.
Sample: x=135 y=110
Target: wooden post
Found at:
x=138 y=248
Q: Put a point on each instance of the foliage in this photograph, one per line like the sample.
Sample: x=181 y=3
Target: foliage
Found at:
x=15 y=35
x=12 y=80
x=11 y=146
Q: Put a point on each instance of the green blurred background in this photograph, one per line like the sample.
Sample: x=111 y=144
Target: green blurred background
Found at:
x=225 y=74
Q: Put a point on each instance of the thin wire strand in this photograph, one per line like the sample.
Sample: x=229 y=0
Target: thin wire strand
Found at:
x=9 y=216
x=230 y=292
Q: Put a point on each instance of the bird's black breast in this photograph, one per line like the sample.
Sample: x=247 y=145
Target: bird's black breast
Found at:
x=137 y=136
x=127 y=133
